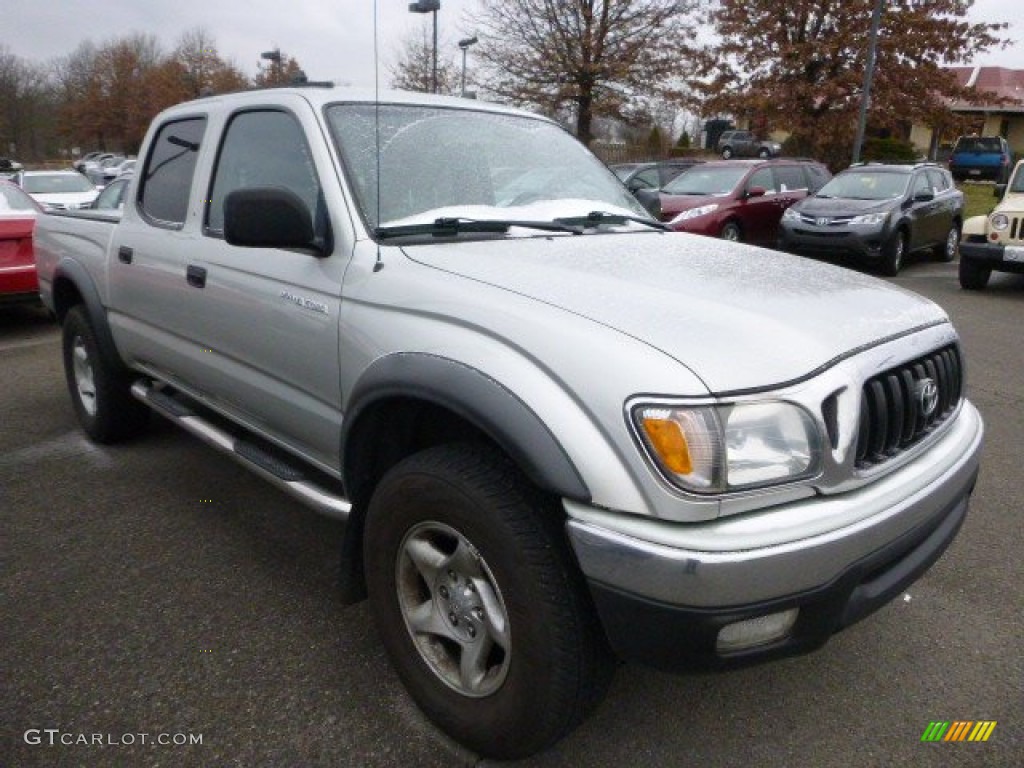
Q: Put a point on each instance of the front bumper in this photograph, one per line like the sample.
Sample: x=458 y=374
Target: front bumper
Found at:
x=995 y=255
x=664 y=604
x=833 y=240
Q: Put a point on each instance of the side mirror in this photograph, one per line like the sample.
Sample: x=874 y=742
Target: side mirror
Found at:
x=924 y=197
x=1000 y=190
x=269 y=217
x=756 y=192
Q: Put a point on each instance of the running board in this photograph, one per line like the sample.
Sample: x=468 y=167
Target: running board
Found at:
x=288 y=477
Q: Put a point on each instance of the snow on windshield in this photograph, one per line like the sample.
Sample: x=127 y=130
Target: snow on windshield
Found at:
x=446 y=162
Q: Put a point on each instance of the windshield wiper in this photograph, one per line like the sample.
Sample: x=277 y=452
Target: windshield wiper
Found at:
x=597 y=218
x=450 y=227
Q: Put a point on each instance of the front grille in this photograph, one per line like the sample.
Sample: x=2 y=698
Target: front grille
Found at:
x=826 y=221
x=894 y=406
x=1016 y=229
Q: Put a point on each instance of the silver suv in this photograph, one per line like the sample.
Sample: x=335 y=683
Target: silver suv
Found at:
x=746 y=144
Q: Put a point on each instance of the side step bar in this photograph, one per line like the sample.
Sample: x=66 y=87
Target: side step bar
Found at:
x=289 y=478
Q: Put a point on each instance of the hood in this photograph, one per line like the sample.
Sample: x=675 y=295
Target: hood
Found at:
x=738 y=317
x=839 y=206
x=679 y=203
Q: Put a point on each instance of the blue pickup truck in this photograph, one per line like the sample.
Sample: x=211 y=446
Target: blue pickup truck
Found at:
x=981 y=157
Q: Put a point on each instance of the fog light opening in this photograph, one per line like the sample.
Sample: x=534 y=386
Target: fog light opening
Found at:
x=758 y=631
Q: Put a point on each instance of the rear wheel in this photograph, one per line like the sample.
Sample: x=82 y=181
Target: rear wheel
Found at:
x=478 y=603
x=893 y=253
x=973 y=276
x=946 y=251
x=99 y=391
x=731 y=231
x=763 y=153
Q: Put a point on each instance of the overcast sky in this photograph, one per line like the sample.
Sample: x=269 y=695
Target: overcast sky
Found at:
x=331 y=39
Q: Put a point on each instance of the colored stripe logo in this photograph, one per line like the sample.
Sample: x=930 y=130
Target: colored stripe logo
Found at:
x=958 y=730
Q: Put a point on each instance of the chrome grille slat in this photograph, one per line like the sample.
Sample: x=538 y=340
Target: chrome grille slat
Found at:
x=892 y=418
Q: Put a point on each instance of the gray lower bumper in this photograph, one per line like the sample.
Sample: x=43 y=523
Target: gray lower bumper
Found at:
x=657 y=561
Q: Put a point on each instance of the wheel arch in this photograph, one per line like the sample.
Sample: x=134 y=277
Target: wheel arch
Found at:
x=73 y=285
x=418 y=400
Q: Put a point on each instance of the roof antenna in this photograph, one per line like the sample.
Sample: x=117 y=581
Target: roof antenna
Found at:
x=379 y=265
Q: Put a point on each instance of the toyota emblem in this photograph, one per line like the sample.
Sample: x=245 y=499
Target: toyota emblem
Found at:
x=927 y=396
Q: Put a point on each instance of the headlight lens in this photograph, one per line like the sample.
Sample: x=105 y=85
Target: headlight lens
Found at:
x=713 y=449
x=693 y=213
x=870 y=218
x=790 y=215
x=1000 y=221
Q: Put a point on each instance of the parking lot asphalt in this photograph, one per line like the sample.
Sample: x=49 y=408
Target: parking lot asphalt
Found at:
x=155 y=591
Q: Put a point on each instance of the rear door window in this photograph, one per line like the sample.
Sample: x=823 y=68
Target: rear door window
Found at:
x=790 y=178
x=167 y=177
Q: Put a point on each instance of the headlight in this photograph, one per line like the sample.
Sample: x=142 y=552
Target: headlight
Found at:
x=999 y=221
x=713 y=449
x=870 y=218
x=693 y=213
x=790 y=215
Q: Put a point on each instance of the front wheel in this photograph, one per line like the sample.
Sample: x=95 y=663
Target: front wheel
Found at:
x=973 y=277
x=478 y=603
x=893 y=253
x=764 y=154
x=99 y=391
x=731 y=231
x=727 y=153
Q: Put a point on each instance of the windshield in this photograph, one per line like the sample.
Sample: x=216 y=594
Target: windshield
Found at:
x=978 y=144
x=866 y=185
x=56 y=183
x=437 y=162
x=703 y=180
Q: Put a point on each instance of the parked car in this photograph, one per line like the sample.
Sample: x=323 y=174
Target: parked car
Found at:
x=981 y=157
x=9 y=168
x=105 y=169
x=59 y=190
x=738 y=199
x=80 y=163
x=115 y=169
x=880 y=213
x=644 y=180
x=652 y=175
x=112 y=196
x=995 y=242
x=18 y=212
x=746 y=144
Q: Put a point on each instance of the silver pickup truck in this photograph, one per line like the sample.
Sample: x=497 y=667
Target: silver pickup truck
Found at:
x=558 y=433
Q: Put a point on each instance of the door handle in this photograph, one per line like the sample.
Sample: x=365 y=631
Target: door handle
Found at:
x=196 y=276
x=124 y=254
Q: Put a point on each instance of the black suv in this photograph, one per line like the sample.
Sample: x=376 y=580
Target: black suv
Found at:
x=878 y=212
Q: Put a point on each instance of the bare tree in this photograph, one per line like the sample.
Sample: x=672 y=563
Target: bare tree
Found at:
x=587 y=58
x=414 y=68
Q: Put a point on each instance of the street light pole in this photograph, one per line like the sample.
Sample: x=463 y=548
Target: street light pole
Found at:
x=432 y=7
x=274 y=57
x=464 y=45
x=869 y=72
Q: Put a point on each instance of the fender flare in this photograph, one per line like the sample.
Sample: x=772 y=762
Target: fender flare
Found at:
x=78 y=275
x=974 y=226
x=479 y=399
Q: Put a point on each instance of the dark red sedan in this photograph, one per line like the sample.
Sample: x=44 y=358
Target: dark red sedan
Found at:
x=739 y=199
x=18 y=211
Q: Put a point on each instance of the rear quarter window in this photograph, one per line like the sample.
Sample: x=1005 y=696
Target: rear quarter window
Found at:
x=170 y=167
